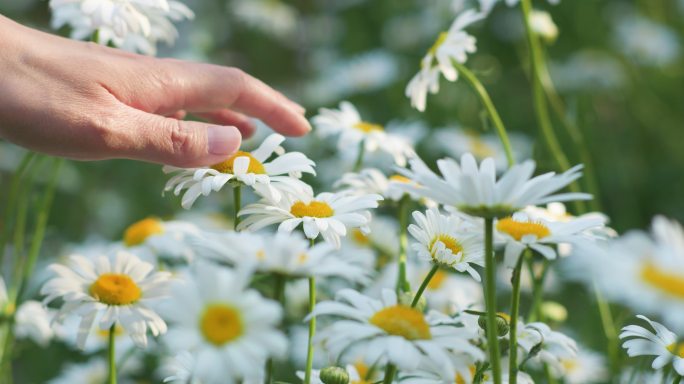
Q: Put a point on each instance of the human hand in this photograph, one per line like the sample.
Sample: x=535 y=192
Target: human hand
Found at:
x=89 y=102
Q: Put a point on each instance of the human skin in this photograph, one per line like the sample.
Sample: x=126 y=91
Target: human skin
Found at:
x=89 y=102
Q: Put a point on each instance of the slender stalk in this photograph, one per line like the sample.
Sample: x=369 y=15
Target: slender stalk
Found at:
x=537 y=290
x=490 y=300
x=489 y=106
x=424 y=285
x=402 y=280
x=558 y=107
x=278 y=295
x=111 y=354
x=609 y=329
x=41 y=224
x=11 y=201
x=540 y=105
x=390 y=371
x=515 y=309
x=237 y=202
x=312 y=329
x=359 y=157
x=677 y=379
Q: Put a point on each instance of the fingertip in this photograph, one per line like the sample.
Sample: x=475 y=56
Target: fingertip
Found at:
x=223 y=141
x=289 y=123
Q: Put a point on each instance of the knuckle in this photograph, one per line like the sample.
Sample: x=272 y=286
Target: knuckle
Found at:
x=180 y=139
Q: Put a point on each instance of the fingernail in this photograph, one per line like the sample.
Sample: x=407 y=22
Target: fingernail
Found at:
x=223 y=140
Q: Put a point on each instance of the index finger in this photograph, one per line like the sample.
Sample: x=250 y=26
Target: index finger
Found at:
x=206 y=87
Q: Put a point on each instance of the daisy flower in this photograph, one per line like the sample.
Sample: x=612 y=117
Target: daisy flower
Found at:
x=181 y=368
x=387 y=332
x=664 y=344
x=454 y=44
x=230 y=330
x=643 y=271
x=94 y=371
x=152 y=238
x=520 y=232
x=32 y=321
x=476 y=190
x=136 y=25
x=118 y=290
x=353 y=131
x=373 y=181
x=449 y=241
x=552 y=348
x=283 y=253
x=586 y=367
x=329 y=215
x=253 y=169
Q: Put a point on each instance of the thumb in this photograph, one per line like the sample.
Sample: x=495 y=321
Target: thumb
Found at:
x=179 y=143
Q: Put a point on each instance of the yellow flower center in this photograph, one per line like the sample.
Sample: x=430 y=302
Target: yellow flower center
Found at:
x=504 y=316
x=221 y=324
x=400 y=320
x=665 y=281
x=366 y=127
x=226 y=166
x=569 y=365
x=438 y=43
x=459 y=378
x=480 y=149
x=115 y=289
x=359 y=237
x=312 y=209
x=400 y=179
x=138 y=232
x=302 y=258
x=519 y=229
x=437 y=280
x=449 y=242
x=363 y=371
x=676 y=349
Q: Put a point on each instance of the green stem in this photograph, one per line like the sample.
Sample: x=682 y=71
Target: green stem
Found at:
x=11 y=201
x=237 y=202
x=424 y=285
x=489 y=106
x=111 y=354
x=537 y=290
x=359 y=157
x=278 y=295
x=490 y=300
x=677 y=379
x=558 y=106
x=312 y=329
x=541 y=108
x=515 y=309
x=41 y=224
x=390 y=371
x=609 y=329
x=402 y=280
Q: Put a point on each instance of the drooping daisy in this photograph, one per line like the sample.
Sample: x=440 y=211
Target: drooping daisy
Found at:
x=452 y=45
x=520 y=232
x=98 y=340
x=664 y=344
x=352 y=131
x=231 y=330
x=153 y=239
x=551 y=347
x=449 y=241
x=476 y=190
x=330 y=215
x=136 y=25
x=267 y=178
x=385 y=331
x=283 y=253
x=109 y=290
x=643 y=272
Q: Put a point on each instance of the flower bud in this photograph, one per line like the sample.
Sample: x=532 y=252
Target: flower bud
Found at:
x=334 y=375
x=501 y=323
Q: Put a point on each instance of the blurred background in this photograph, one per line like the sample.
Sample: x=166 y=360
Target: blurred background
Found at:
x=617 y=66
